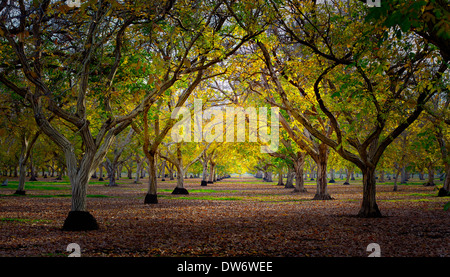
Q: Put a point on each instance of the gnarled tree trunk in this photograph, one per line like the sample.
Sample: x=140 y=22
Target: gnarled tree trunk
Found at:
x=369 y=207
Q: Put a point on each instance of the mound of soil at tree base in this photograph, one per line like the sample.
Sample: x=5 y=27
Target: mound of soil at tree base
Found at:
x=19 y=192
x=151 y=199
x=180 y=191
x=80 y=221
x=443 y=192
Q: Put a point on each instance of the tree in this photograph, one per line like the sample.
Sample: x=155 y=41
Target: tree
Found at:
x=83 y=55
x=176 y=158
x=375 y=82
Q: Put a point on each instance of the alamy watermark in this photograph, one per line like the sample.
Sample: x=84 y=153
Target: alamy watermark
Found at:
x=373 y=3
x=213 y=125
x=74 y=3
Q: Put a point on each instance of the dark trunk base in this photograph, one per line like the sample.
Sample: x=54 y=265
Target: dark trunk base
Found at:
x=33 y=179
x=322 y=197
x=101 y=179
x=19 y=192
x=370 y=213
x=163 y=179
x=298 y=190
x=180 y=191
x=346 y=183
x=151 y=199
x=80 y=221
x=443 y=192
x=289 y=186
x=210 y=182
x=332 y=181
x=204 y=183
x=429 y=184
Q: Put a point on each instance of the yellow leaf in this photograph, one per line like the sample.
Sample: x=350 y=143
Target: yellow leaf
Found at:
x=187 y=63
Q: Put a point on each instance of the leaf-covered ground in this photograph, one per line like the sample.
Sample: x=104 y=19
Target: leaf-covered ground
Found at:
x=233 y=217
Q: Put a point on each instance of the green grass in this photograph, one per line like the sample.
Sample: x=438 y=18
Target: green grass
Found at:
x=422 y=194
x=437 y=199
x=57 y=195
x=23 y=220
x=39 y=185
x=206 y=197
x=199 y=190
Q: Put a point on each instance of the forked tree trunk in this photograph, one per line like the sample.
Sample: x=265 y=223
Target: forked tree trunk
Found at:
x=369 y=207
x=79 y=219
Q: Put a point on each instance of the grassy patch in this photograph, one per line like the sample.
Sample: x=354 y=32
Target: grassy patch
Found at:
x=38 y=185
x=23 y=220
x=57 y=195
x=412 y=200
x=422 y=194
x=206 y=197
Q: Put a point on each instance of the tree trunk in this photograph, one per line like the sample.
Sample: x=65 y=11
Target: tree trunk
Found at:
x=430 y=176
x=381 y=178
x=445 y=190
x=298 y=167
x=171 y=173
x=348 y=176
x=332 y=176
x=268 y=176
x=369 y=207
x=403 y=175
x=322 y=190
x=290 y=178
x=259 y=174
x=205 y=170
x=139 y=164
x=79 y=219
x=112 y=174
x=100 y=173
x=280 y=177
x=151 y=196
x=396 y=179
x=130 y=172
x=163 y=170
x=211 y=172
x=33 y=174
x=421 y=175
x=22 y=172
